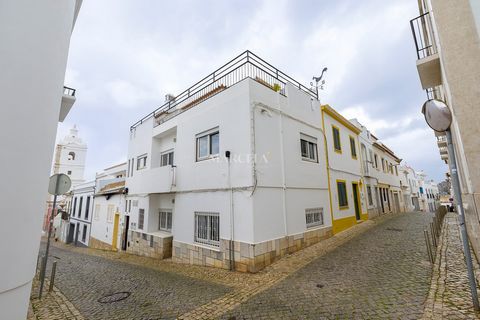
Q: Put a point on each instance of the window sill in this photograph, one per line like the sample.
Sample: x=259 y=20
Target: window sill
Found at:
x=206 y=246
x=315 y=226
x=309 y=160
x=338 y=151
x=344 y=208
x=208 y=158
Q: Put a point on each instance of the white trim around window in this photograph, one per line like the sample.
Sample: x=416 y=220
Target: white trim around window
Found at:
x=207 y=228
x=165 y=220
x=166 y=158
x=308 y=148
x=142 y=161
x=208 y=144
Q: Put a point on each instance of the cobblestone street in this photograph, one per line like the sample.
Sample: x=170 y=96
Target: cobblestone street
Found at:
x=378 y=269
x=383 y=273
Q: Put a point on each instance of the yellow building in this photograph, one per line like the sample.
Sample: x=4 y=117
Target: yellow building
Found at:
x=347 y=198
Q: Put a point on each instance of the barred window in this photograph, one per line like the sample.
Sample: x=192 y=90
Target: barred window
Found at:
x=314 y=217
x=165 y=220
x=207 y=228
x=141 y=218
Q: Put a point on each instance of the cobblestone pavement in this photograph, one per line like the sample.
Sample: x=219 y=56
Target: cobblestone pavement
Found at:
x=450 y=296
x=84 y=279
x=377 y=269
x=383 y=273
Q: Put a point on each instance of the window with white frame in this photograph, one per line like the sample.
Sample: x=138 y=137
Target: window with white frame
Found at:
x=166 y=158
x=207 y=228
x=314 y=217
x=308 y=146
x=110 y=212
x=208 y=144
x=142 y=162
x=96 y=212
x=369 y=196
x=165 y=220
x=141 y=218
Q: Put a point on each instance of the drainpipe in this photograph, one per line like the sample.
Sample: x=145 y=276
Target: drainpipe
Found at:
x=231 y=244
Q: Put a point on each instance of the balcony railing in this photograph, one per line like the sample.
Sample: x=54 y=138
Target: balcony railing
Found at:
x=246 y=65
x=69 y=91
x=422 y=30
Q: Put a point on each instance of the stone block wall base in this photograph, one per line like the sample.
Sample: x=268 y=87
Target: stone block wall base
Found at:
x=149 y=245
x=98 y=244
x=247 y=257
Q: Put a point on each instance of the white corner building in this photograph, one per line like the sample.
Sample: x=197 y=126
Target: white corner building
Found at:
x=230 y=173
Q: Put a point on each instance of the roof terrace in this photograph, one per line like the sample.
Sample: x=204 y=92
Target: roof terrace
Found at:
x=245 y=65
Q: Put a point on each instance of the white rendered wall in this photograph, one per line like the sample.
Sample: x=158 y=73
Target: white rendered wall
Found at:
x=35 y=37
x=101 y=228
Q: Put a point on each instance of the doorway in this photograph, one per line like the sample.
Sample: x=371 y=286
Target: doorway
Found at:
x=396 y=201
x=356 y=201
x=71 y=232
x=125 y=233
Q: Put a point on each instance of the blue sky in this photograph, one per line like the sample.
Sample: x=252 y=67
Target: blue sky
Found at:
x=126 y=55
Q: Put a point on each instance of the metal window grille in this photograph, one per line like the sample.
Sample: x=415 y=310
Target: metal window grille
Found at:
x=314 y=217
x=207 y=228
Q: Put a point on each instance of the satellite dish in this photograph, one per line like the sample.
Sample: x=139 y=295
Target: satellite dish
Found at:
x=59 y=184
x=437 y=114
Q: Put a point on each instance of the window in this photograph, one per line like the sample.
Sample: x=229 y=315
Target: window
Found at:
x=142 y=162
x=207 y=228
x=396 y=171
x=314 y=217
x=84 y=233
x=87 y=208
x=166 y=159
x=208 y=144
x=96 y=212
x=71 y=156
x=165 y=220
x=128 y=168
x=337 y=146
x=369 y=196
x=141 y=218
x=74 y=206
x=370 y=152
x=110 y=212
x=80 y=207
x=342 y=194
x=383 y=165
x=131 y=172
x=353 y=147
x=376 y=161
x=308 y=146
x=69 y=172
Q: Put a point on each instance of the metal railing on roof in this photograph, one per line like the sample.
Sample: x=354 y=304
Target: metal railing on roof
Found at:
x=422 y=30
x=69 y=91
x=245 y=65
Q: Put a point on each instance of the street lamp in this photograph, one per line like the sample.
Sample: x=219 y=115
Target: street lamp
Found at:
x=439 y=118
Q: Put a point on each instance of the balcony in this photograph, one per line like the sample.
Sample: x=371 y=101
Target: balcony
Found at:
x=246 y=65
x=156 y=180
x=442 y=141
x=443 y=150
x=428 y=63
x=68 y=99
